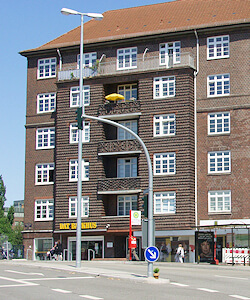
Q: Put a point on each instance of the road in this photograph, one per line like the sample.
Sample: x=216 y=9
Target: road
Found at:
x=119 y=280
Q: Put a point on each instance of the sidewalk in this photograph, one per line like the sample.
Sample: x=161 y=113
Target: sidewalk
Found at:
x=97 y=268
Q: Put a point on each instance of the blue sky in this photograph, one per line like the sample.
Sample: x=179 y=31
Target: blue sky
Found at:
x=24 y=25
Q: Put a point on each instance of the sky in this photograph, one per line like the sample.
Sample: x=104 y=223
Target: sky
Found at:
x=27 y=24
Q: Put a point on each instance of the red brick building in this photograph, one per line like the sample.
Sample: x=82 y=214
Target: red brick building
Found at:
x=183 y=69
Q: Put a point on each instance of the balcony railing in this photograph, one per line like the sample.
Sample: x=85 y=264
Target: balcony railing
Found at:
x=117 y=108
x=119 y=184
x=109 y=67
x=116 y=146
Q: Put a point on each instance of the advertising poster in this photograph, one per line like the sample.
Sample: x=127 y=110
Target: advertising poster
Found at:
x=204 y=241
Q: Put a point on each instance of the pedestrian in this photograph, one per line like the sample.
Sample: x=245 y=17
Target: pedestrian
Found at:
x=180 y=254
x=58 y=250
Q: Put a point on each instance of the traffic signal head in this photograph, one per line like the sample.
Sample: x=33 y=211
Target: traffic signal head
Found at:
x=145 y=206
x=79 y=118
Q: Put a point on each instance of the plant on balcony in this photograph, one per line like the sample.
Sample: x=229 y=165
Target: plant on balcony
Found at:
x=95 y=66
x=72 y=76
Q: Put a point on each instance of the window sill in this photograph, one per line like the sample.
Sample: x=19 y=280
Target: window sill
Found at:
x=218 y=174
x=220 y=213
x=218 y=134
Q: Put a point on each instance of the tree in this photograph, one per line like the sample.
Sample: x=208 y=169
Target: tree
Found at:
x=10 y=215
x=2 y=196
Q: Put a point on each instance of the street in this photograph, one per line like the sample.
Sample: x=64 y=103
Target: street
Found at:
x=121 y=280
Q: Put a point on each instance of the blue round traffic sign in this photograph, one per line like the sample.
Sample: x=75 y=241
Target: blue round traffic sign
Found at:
x=151 y=254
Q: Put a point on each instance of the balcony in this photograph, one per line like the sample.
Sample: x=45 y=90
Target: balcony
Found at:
x=118 y=147
x=120 y=108
x=108 y=67
x=119 y=185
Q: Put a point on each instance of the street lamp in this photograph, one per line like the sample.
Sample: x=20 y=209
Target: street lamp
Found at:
x=96 y=16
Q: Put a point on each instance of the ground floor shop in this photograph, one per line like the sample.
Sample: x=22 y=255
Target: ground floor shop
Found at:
x=231 y=243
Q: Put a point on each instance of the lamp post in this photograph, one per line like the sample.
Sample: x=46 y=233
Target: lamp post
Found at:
x=67 y=11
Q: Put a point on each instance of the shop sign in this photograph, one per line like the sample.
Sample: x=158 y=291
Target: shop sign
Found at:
x=73 y=226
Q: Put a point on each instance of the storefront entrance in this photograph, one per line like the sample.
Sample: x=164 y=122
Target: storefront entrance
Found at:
x=91 y=247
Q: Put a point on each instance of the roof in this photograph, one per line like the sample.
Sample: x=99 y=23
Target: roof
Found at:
x=167 y=17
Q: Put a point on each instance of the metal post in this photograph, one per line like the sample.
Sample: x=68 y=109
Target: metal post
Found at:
x=150 y=183
x=79 y=180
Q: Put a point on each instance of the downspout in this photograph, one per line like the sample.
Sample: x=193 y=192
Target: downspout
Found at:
x=60 y=59
x=195 y=129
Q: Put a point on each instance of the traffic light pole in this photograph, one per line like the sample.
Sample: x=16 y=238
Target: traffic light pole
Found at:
x=150 y=182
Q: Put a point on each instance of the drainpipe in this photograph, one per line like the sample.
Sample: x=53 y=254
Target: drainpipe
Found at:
x=60 y=59
x=144 y=53
x=195 y=128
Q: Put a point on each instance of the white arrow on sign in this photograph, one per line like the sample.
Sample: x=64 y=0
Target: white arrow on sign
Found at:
x=152 y=253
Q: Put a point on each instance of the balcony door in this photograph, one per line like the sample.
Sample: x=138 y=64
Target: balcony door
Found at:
x=126 y=167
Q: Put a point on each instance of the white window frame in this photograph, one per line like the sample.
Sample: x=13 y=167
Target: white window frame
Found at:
x=129 y=91
x=125 y=164
x=45 y=138
x=165 y=163
x=219 y=201
x=218 y=85
x=164 y=125
x=75 y=96
x=46 y=68
x=46 y=208
x=168 y=59
x=84 y=207
x=46 y=103
x=73 y=170
x=218 y=123
x=127 y=58
x=218 y=47
x=123 y=134
x=89 y=59
x=164 y=87
x=43 y=174
x=165 y=202
x=74 y=133
x=126 y=201
x=219 y=162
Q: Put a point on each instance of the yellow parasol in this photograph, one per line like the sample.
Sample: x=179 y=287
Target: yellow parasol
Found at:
x=114 y=97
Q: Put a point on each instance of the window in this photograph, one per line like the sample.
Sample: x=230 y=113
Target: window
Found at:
x=73 y=207
x=44 y=174
x=164 y=87
x=126 y=167
x=125 y=204
x=127 y=58
x=164 y=163
x=164 y=125
x=46 y=103
x=219 y=201
x=73 y=135
x=124 y=135
x=164 y=202
x=219 y=123
x=89 y=59
x=44 y=210
x=75 y=96
x=73 y=170
x=129 y=91
x=45 y=138
x=218 y=47
x=219 y=162
x=46 y=68
x=218 y=85
x=170 y=53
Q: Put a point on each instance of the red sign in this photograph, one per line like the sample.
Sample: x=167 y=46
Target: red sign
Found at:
x=132 y=242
